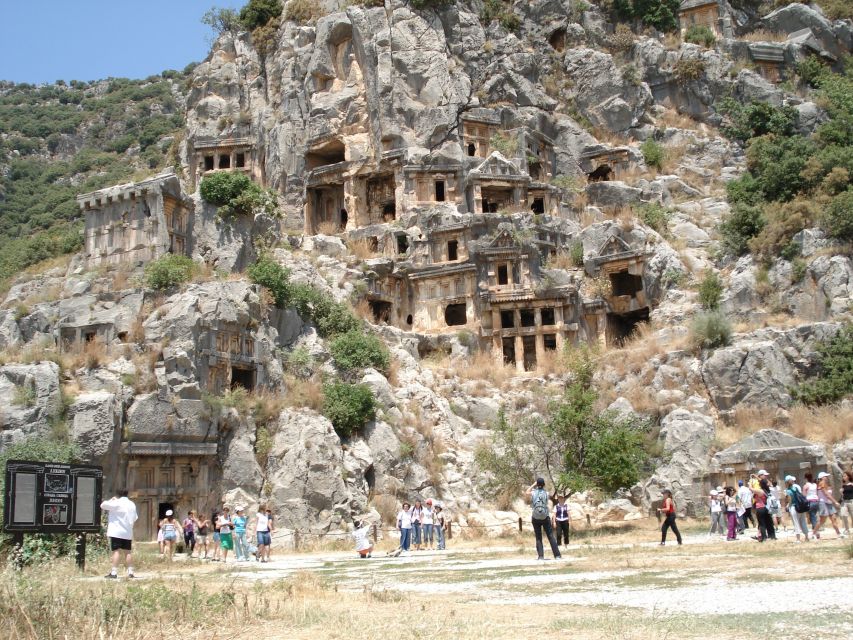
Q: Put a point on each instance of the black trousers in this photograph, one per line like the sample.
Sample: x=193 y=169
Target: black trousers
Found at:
x=538 y=526
x=189 y=541
x=562 y=531
x=747 y=517
x=765 y=524
x=669 y=523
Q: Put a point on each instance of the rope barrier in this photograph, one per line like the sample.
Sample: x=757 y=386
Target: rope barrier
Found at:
x=299 y=532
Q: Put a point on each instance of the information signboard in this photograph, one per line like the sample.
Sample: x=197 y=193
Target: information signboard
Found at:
x=52 y=497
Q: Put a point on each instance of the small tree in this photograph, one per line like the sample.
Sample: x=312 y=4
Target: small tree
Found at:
x=653 y=153
x=838 y=218
x=270 y=274
x=355 y=350
x=222 y=187
x=259 y=12
x=834 y=380
x=701 y=35
x=348 y=406
x=221 y=20
x=169 y=271
x=710 y=290
x=710 y=330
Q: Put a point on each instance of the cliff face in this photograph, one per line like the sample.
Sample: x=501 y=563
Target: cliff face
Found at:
x=486 y=199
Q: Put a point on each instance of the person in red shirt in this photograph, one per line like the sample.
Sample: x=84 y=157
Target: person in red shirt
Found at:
x=668 y=510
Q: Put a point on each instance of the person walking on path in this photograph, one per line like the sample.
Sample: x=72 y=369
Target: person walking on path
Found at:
x=216 y=541
x=361 y=535
x=828 y=505
x=847 y=500
x=801 y=524
x=541 y=518
x=170 y=526
x=745 y=495
x=121 y=516
x=716 y=510
x=774 y=504
x=241 y=546
x=189 y=525
x=416 y=516
x=404 y=525
x=202 y=536
x=730 y=503
x=226 y=538
x=561 y=521
x=761 y=496
x=440 y=526
x=668 y=510
x=810 y=491
x=264 y=528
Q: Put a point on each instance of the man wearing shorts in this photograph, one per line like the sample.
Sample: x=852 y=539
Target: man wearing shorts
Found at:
x=121 y=514
x=263 y=529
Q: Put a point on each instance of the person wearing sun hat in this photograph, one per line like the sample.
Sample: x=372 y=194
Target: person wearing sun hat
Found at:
x=427 y=525
x=241 y=546
x=827 y=504
x=801 y=524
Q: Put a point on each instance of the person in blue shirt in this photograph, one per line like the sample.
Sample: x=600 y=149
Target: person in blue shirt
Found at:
x=241 y=546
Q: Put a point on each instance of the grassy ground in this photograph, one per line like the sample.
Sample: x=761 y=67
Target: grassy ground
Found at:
x=479 y=589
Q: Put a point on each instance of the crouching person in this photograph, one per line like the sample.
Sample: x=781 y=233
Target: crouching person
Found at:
x=361 y=535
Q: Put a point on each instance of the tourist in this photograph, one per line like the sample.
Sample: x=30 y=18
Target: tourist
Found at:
x=828 y=505
x=668 y=509
x=189 y=526
x=416 y=516
x=169 y=526
x=202 y=535
x=774 y=504
x=801 y=525
x=730 y=501
x=160 y=541
x=541 y=518
x=216 y=541
x=427 y=515
x=847 y=500
x=716 y=508
x=561 y=521
x=263 y=531
x=761 y=495
x=810 y=491
x=361 y=535
x=440 y=526
x=241 y=546
x=745 y=495
x=226 y=538
x=121 y=515
x=404 y=525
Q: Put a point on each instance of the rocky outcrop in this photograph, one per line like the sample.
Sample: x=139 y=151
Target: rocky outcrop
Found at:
x=29 y=399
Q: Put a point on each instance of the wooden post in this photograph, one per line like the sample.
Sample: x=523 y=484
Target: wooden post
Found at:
x=519 y=524
x=449 y=530
x=81 y=551
x=375 y=534
x=296 y=541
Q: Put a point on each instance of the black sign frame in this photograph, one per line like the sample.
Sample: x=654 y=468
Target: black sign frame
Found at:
x=52 y=497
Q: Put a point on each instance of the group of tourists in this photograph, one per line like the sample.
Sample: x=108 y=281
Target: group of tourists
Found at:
x=422 y=526
x=762 y=503
x=219 y=534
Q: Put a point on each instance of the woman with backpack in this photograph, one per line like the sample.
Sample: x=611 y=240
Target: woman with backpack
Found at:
x=668 y=510
x=541 y=518
x=794 y=500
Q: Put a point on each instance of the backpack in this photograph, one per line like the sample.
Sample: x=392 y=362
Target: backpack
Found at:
x=540 y=505
x=801 y=505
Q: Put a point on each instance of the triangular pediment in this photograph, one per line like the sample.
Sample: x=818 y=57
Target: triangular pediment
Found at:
x=612 y=246
x=496 y=165
x=504 y=240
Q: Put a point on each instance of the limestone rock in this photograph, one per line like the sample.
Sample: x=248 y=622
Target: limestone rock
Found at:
x=95 y=425
x=29 y=398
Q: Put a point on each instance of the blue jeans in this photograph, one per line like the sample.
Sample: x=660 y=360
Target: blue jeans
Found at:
x=405 y=539
x=416 y=533
x=813 y=509
x=538 y=526
x=241 y=547
x=439 y=533
x=428 y=531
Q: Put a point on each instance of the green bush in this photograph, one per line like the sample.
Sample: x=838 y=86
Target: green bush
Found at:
x=710 y=330
x=834 y=380
x=576 y=253
x=356 y=350
x=430 y=4
x=169 y=271
x=655 y=216
x=302 y=11
x=348 y=406
x=259 y=12
x=653 y=153
x=756 y=119
x=689 y=69
x=838 y=218
x=777 y=163
x=270 y=274
x=701 y=35
x=660 y=14
x=742 y=224
x=222 y=187
x=710 y=291
x=498 y=10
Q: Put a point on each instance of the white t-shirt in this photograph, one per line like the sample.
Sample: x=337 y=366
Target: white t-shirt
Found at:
x=224 y=524
x=745 y=495
x=121 y=516
x=361 y=539
x=263 y=523
x=810 y=491
x=426 y=516
x=405 y=519
x=715 y=505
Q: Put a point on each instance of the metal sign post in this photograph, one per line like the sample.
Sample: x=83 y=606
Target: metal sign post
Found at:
x=53 y=497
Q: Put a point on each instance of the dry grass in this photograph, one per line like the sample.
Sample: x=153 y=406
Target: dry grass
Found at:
x=745 y=420
x=672 y=159
x=672 y=41
x=763 y=35
x=672 y=118
x=550 y=363
x=361 y=248
x=485 y=366
x=561 y=260
x=362 y=310
x=828 y=425
x=301 y=393
x=328 y=228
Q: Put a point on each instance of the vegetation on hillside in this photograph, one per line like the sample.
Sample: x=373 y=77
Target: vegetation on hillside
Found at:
x=793 y=181
x=59 y=140
x=834 y=380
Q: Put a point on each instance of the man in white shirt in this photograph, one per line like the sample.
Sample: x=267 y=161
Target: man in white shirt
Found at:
x=745 y=495
x=121 y=512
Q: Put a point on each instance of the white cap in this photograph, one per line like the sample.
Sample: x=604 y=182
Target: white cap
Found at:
x=790 y=478
x=713 y=492
x=763 y=472
x=719 y=489
x=169 y=512
x=822 y=475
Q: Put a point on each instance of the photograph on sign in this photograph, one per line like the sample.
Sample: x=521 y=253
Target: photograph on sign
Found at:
x=56 y=483
x=55 y=514
x=84 y=510
x=25 y=498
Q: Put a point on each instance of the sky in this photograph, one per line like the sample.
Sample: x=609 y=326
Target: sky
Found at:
x=48 y=40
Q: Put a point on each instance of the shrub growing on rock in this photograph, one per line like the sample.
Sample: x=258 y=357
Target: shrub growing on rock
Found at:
x=356 y=350
x=701 y=35
x=835 y=364
x=259 y=12
x=710 y=291
x=302 y=11
x=169 y=271
x=655 y=216
x=660 y=14
x=653 y=153
x=270 y=274
x=838 y=218
x=710 y=330
x=742 y=224
x=689 y=69
x=348 y=406
x=222 y=187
